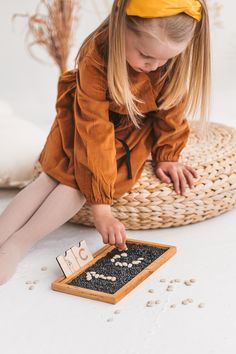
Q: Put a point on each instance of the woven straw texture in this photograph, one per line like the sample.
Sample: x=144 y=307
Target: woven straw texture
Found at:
x=151 y=204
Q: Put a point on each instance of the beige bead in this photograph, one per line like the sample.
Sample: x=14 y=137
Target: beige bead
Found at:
x=88 y=276
x=151 y=290
x=201 y=305
x=188 y=283
x=130 y=265
x=31 y=287
x=177 y=280
x=150 y=303
x=185 y=302
x=140 y=259
x=116 y=256
x=157 y=302
x=112 y=260
x=113 y=279
x=135 y=262
x=173 y=306
x=190 y=300
x=192 y=280
x=96 y=276
x=163 y=280
x=44 y=268
x=93 y=273
x=125 y=264
x=123 y=254
x=116 y=312
x=108 y=277
x=170 y=288
x=110 y=319
x=102 y=276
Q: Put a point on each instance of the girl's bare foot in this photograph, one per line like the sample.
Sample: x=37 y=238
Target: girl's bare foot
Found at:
x=9 y=258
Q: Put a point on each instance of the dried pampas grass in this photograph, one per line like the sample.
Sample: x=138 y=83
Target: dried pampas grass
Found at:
x=53 y=30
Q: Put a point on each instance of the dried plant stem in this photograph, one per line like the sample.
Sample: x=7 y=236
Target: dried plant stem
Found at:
x=53 y=30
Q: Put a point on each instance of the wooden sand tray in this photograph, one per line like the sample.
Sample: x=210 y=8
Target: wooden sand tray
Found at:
x=123 y=270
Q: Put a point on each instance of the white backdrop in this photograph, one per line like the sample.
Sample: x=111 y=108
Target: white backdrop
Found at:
x=30 y=87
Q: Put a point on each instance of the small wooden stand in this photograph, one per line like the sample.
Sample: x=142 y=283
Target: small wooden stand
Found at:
x=74 y=270
x=75 y=258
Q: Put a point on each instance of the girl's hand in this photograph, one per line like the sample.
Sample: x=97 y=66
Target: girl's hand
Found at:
x=112 y=231
x=179 y=174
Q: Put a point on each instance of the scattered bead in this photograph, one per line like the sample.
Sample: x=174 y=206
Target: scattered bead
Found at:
x=162 y=280
x=28 y=282
x=150 y=303
x=110 y=319
x=190 y=300
x=140 y=259
x=201 y=305
x=188 y=283
x=151 y=291
x=112 y=260
x=35 y=281
x=117 y=312
x=185 y=302
x=44 y=268
x=113 y=279
x=31 y=287
x=169 y=288
x=157 y=302
x=173 y=306
x=130 y=265
x=172 y=281
x=177 y=280
x=192 y=280
x=125 y=264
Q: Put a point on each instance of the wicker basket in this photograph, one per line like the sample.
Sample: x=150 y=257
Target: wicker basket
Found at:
x=151 y=204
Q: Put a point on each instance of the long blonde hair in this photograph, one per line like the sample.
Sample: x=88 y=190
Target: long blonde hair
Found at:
x=188 y=74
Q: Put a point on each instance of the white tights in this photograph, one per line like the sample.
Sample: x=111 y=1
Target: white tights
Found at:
x=38 y=209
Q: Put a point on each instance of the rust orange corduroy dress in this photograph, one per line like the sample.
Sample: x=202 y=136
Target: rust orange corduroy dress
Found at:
x=93 y=146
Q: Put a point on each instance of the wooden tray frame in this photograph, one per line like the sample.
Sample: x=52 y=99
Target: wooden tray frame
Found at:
x=61 y=283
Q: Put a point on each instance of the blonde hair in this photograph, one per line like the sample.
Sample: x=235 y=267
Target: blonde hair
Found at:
x=188 y=75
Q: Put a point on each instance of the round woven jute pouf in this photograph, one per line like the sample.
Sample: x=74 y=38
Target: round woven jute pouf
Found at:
x=152 y=204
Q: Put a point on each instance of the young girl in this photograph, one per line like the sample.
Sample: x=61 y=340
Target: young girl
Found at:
x=134 y=78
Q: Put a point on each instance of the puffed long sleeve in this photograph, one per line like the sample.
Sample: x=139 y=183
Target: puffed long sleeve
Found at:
x=171 y=132
x=95 y=152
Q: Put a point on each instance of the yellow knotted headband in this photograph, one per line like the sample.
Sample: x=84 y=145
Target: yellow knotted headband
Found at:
x=160 y=8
